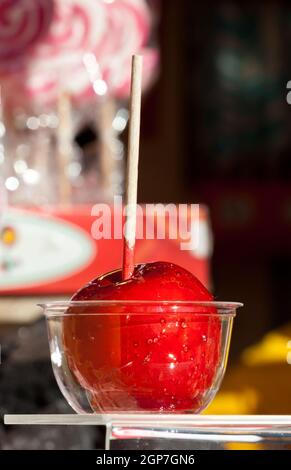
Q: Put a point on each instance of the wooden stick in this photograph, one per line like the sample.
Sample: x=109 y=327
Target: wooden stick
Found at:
x=65 y=146
x=132 y=168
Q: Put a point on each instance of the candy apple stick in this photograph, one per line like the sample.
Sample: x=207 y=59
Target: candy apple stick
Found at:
x=132 y=167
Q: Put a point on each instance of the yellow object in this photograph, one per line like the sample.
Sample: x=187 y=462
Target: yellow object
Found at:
x=8 y=235
x=261 y=382
x=273 y=348
x=243 y=446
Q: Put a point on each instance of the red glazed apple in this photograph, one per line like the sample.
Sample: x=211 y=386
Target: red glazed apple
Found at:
x=150 y=357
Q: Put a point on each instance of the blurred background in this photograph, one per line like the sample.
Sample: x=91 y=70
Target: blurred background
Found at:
x=215 y=131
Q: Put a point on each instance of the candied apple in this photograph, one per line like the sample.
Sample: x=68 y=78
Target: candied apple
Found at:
x=116 y=352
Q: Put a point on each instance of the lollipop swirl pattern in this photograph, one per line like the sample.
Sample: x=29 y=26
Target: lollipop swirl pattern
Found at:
x=22 y=24
x=110 y=32
x=130 y=22
x=128 y=30
x=78 y=26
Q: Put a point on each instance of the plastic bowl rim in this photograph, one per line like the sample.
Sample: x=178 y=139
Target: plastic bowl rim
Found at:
x=58 y=308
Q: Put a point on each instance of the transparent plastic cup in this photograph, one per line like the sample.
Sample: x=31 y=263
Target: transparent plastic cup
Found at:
x=139 y=356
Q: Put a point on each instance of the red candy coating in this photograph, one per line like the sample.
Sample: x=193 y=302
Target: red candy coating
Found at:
x=140 y=361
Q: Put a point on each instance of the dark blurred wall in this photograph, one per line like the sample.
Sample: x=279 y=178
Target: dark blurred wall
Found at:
x=216 y=130
x=162 y=163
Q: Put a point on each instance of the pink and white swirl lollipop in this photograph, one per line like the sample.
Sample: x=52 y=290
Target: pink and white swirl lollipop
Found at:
x=127 y=32
x=39 y=89
x=22 y=24
x=110 y=31
x=77 y=27
x=128 y=28
x=56 y=61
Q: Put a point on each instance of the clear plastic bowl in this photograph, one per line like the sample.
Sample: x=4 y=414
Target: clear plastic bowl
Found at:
x=139 y=356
